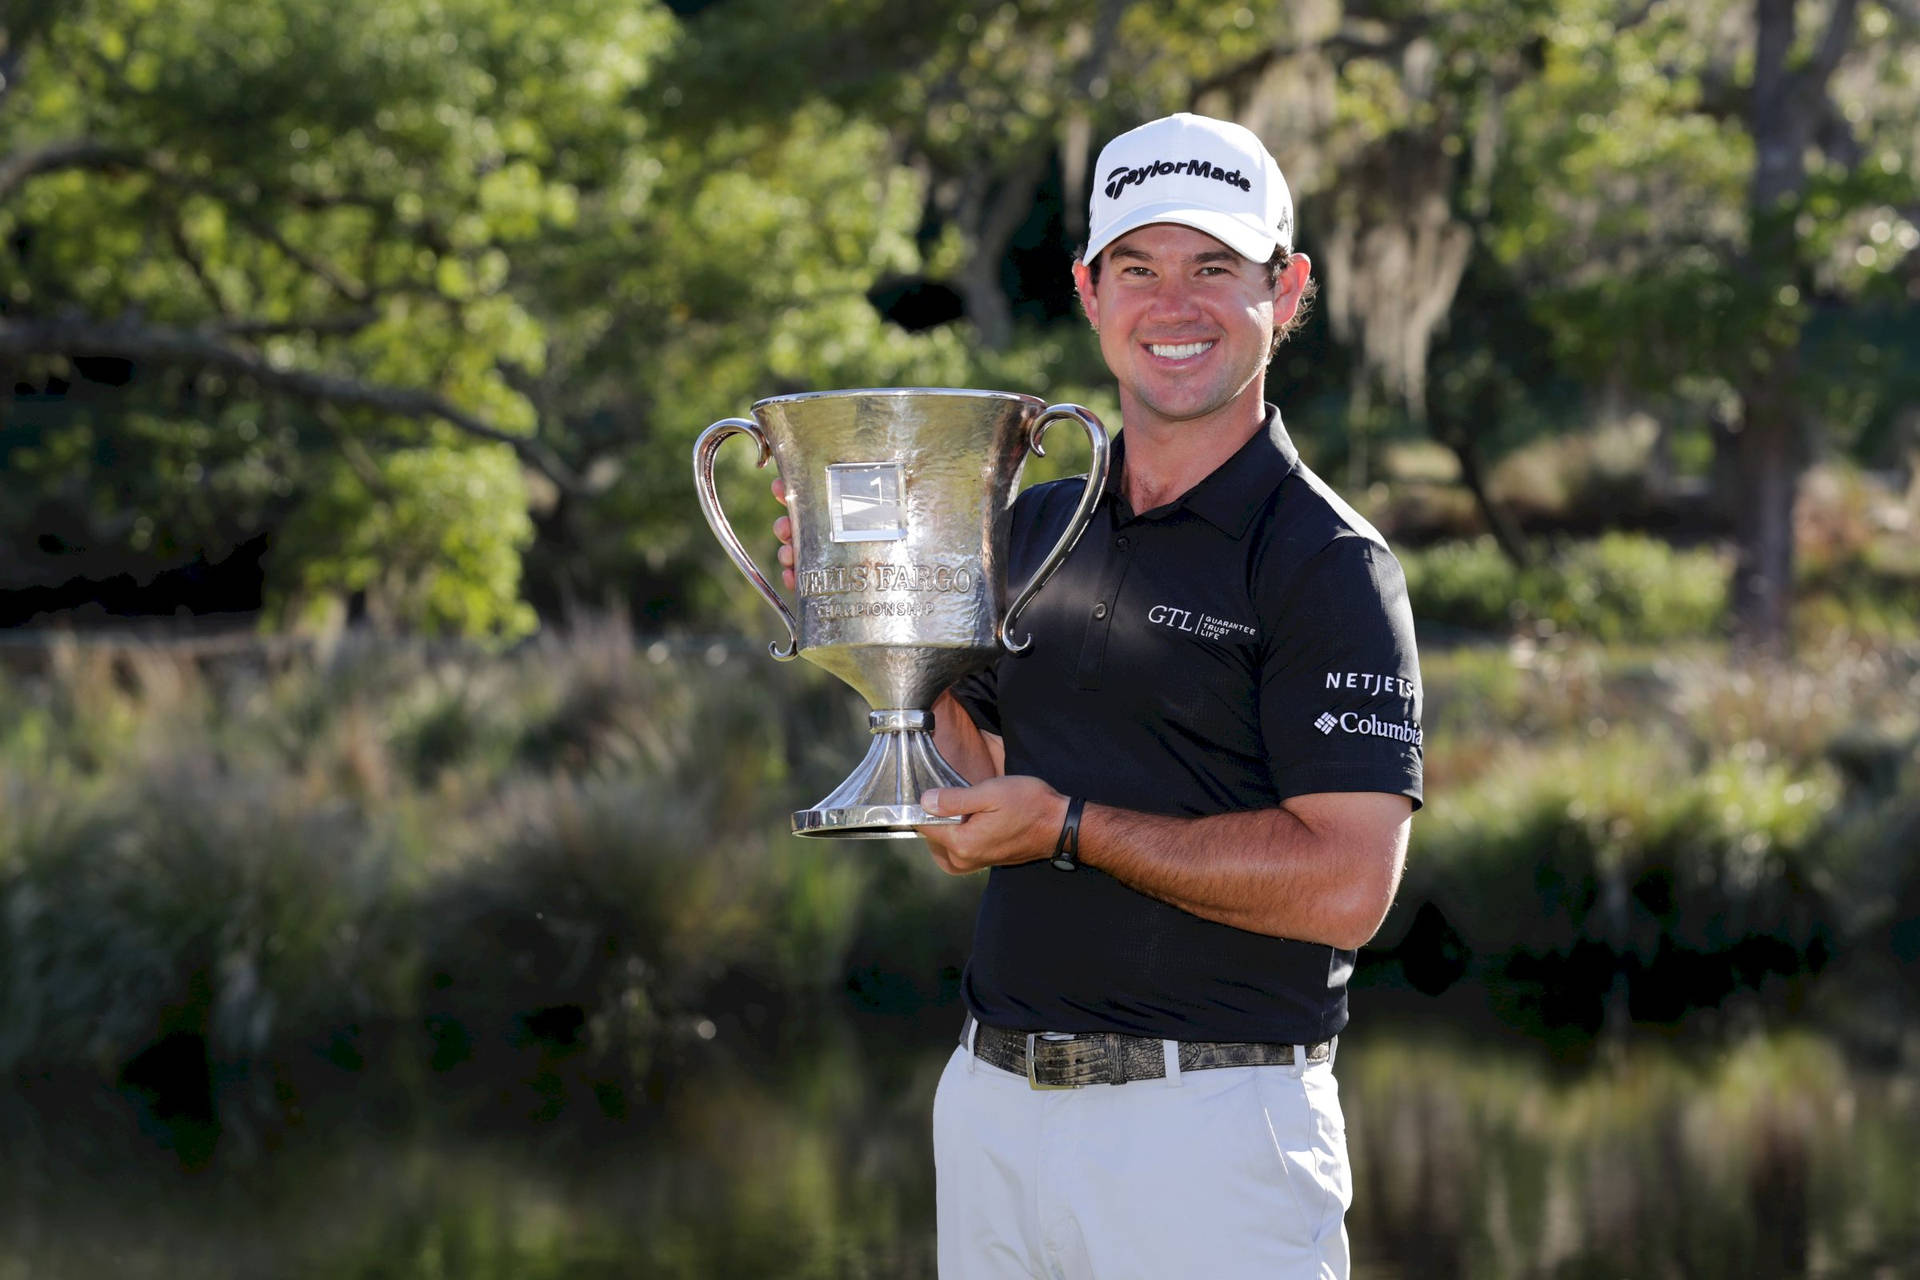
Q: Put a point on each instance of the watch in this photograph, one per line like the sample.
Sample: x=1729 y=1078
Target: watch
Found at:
x=1066 y=850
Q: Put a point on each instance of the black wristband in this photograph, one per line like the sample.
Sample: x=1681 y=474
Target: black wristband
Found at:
x=1066 y=850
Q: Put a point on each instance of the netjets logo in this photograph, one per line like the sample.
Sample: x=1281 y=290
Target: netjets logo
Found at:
x=1127 y=176
x=1369 y=727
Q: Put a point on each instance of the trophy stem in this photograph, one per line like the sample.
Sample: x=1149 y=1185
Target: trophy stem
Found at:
x=880 y=800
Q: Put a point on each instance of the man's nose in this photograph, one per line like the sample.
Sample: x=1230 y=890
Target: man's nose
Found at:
x=1173 y=296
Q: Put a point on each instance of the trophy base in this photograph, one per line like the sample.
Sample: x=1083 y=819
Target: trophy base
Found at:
x=881 y=799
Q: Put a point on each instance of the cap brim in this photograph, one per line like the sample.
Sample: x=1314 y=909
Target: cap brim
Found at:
x=1245 y=238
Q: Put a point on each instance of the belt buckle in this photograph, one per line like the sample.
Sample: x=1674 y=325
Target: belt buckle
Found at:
x=1033 y=1082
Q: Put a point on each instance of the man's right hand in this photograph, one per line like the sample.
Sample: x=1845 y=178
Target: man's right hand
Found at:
x=783 y=530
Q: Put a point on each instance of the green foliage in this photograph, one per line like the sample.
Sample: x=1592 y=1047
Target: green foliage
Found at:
x=1623 y=197
x=585 y=832
x=351 y=231
x=1661 y=800
x=463 y=838
x=1628 y=587
x=1489 y=1152
x=1623 y=840
x=184 y=898
x=1463 y=584
x=1620 y=587
x=431 y=542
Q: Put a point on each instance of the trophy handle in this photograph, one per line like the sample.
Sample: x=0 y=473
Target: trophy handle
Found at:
x=704 y=450
x=1096 y=481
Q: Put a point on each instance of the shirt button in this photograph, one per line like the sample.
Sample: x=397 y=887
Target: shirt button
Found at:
x=1100 y=610
x=1121 y=542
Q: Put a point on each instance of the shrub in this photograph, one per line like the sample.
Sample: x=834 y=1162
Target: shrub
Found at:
x=1464 y=584
x=1626 y=843
x=1620 y=587
x=188 y=898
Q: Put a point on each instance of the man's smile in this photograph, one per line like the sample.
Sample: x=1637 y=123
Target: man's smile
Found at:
x=1177 y=351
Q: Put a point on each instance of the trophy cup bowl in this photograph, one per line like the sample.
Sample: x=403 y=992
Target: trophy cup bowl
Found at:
x=900 y=499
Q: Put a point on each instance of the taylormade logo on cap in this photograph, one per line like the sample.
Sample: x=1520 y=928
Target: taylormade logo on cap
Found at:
x=1212 y=175
x=1120 y=179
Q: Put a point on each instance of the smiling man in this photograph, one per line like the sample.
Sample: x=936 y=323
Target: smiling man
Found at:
x=1193 y=791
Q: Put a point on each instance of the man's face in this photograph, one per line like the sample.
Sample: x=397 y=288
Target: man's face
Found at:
x=1185 y=322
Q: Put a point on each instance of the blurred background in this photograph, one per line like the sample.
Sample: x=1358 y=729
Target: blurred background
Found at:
x=393 y=782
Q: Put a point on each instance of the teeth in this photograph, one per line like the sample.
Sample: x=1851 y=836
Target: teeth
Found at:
x=1180 y=352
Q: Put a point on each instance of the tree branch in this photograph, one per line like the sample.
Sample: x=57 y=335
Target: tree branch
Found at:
x=1635 y=16
x=357 y=294
x=177 y=233
x=134 y=341
x=338 y=326
x=1834 y=43
x=74 y=153
x=84 y=153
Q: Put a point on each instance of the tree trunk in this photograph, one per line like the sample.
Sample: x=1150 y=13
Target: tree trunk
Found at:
x=985 y=297
x=1770 y=450
x=989 y=212
x=1769 y=454
x=1506 y=531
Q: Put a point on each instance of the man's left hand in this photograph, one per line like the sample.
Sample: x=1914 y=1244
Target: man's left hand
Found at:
x=1008 y=820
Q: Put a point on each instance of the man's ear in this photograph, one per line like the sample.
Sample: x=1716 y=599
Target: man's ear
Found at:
x=1287 y=288
x=1083 y=288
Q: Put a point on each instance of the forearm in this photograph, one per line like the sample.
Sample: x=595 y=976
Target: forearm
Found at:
x=1268 y=871
x=977 y=754
x=1318 y=868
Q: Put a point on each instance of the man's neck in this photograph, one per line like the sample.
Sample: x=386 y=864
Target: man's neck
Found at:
x=1166 y=459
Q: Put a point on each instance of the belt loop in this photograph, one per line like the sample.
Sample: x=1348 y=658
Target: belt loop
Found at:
x=1171 y=1048
x=972 y=1034
x=1300 y=1063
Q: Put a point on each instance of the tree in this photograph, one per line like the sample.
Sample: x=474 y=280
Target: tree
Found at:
x=257 y=253
x=995 y=106
x=279 y=229
x=1688 y=188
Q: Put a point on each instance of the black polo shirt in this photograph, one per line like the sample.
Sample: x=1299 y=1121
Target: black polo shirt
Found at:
x=1248 y=642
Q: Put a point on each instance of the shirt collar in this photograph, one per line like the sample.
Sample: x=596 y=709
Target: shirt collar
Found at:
x=1233 y=492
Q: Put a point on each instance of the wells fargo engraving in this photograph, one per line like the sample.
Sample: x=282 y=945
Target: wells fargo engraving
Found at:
x=880 y=575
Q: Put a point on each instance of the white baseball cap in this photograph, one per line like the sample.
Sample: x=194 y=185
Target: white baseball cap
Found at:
x=1212 y=175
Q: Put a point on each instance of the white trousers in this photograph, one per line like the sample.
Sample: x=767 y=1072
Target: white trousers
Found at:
x=1222 y=1173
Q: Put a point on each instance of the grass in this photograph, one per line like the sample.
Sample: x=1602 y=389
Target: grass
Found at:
x=575 y=853
x=1661 y=815
x=280 y=852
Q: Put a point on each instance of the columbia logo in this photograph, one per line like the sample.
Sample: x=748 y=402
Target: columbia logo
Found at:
x=1326 y=723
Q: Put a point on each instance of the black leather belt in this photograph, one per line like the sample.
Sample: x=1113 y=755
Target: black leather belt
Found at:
x=1055 y=1062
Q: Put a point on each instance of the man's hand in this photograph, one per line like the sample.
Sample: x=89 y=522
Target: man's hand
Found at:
x=1008 y=820
x=783 y=530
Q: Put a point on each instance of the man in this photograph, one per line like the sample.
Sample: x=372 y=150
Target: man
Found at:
x=1194 y=789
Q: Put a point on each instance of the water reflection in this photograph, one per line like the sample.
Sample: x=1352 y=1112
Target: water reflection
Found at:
x=1772 y=1155
x=1476 y=1154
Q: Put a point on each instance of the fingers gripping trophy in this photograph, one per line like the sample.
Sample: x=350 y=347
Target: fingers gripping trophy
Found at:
x=900 y=500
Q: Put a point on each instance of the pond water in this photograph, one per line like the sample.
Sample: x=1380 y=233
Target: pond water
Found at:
x=1714 y=1149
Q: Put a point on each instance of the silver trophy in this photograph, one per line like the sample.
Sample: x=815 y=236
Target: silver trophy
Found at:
x=900 y=499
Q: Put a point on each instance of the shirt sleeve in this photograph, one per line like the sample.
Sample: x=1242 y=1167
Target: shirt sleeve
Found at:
x=1340 y=694
x=979 y=693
